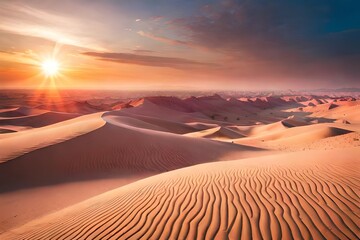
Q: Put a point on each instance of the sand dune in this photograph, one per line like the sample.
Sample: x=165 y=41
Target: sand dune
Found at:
x=277 y=137
x=70 y=107
x=21 y=111
x=135 y=122
x=208 y=109
x=305 y=132
x=270 y=102
x=6 y=130
x=150 y=109
x=51 y=160
x=347 y=110
x=201 y=126
x=39 y=120
x=84 y=150
x=173 y=103
x=18 y=143
x=216 y=133
x=10 y=113
x=313 y=196
x=294 y=122
x=261 y=129
x=154 y=123
x=312 y=102
x=293 y=139
x=115 y=148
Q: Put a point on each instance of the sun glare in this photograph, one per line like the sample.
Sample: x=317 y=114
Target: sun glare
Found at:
x=50 y=67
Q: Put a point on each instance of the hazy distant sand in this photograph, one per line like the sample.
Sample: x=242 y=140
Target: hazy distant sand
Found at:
x=313 y=194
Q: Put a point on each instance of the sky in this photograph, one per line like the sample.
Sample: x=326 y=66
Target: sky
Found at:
x=181 y=45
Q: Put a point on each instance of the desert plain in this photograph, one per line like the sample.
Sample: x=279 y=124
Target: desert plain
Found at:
x=202 y=166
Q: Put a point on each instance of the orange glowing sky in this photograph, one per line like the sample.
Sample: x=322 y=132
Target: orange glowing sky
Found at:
x=175 y=44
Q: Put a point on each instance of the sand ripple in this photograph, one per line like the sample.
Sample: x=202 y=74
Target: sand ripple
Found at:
x=263 y=198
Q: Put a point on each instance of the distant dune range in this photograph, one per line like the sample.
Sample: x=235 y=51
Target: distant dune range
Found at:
x=211 y=168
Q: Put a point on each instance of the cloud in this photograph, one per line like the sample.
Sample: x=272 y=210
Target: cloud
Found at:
x=285 y=38
x=259 y=30
x=147 y=60
x=22 y=19
x=143 y=51
x=163 y=39
x=7 y=52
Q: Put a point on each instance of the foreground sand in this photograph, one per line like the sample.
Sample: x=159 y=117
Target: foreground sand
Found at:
x=312 y=195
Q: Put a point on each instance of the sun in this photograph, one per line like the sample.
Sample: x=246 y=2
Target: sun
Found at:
x=50 y=67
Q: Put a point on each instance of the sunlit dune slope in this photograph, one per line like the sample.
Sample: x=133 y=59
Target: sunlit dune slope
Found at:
x=309 y=195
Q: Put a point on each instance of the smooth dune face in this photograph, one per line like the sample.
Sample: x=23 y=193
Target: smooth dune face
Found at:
x=313 y=196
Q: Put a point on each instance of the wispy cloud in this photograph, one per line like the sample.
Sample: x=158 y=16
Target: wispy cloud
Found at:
x=162 y=39
x=147 y=60
x=143 y=51
x=273 y=31
x=26 y=57
x=25 y=20
x=7 y=52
